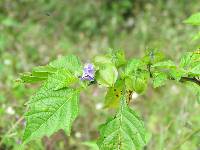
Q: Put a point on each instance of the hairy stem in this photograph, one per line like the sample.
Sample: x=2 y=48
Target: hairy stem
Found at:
x=194 y=80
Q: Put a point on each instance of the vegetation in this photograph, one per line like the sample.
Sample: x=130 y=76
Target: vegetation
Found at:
x=34 y=33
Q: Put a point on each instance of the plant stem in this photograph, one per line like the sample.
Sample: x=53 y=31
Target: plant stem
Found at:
x=183 y=79
x=149 y=69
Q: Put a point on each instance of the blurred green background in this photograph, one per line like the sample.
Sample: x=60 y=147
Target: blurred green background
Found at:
x=35 y=32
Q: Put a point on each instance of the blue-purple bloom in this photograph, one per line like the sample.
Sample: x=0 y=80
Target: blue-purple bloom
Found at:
x=88 y=72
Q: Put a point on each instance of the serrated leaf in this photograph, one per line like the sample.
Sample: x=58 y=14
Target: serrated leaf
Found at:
x=126 y=131
x=176 y=74
x=43 y=71
x=50 y=111
x=190 y=62
x=107 y=75
x=186 y=59
x=196 y=69
x=193 y=19
x=190 y=59
x=153 y=56
x=70 y=63
x=165 y=64
x=118 y=57
x=101 y=61
x=159 y=79
x=137 y=82
x=38 y=74
x=113 y=95
x=62 y=78
x=29 y=78
x=133 y=65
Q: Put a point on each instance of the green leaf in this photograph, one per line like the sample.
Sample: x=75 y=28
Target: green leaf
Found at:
x=196 y=69
x=153 y=56
x=62 y=78
x=159 y=79
x=176 y=73
x=39 y=73
x=101 y=61
x=136 y=76
x=186 y=59
x=133 y=66
x=190 y=62
x=137 y=82
x=113 y=95
x=125 y=131
x=107 y=75
x=29 y=78
x=164 y=64
x=50 y=111
x=43 y=71
x=70 y=63
x=193 y=19
x=118 y=58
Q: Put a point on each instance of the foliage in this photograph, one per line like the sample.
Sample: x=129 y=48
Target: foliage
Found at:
x=55 y=105
x=125 y=131
x=194 y=20
x=35 y=32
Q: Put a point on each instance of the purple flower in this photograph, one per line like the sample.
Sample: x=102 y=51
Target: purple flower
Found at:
x=88 y=72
